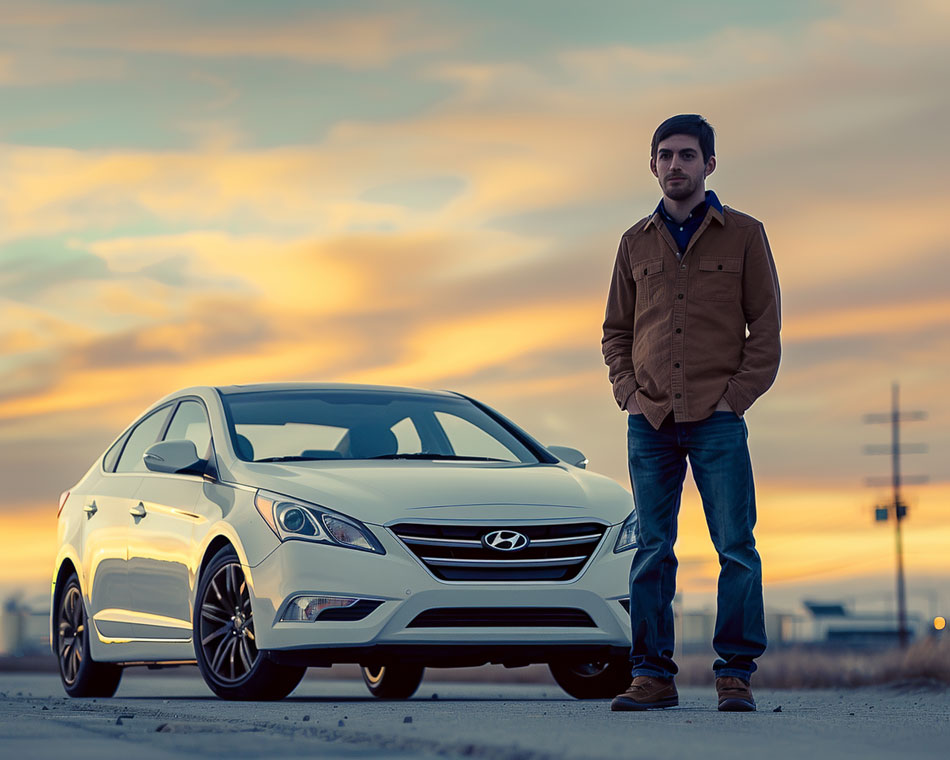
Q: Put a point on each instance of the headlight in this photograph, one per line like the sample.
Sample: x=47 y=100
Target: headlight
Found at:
x=289 y=518
x=628 y=534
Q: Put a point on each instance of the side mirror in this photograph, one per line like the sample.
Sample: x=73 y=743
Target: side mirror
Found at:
x=174 y=457
x=569 y=455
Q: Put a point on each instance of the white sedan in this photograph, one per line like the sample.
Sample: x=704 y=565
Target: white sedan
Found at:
x=259 y=530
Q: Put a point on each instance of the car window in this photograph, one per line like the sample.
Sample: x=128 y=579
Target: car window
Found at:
x=144 y=435
x=469 y=440
x=190 y=423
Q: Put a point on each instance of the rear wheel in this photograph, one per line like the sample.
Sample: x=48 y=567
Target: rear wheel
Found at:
x=225 y=644
x=592 y=680
x=392 y=681
x=80 y=674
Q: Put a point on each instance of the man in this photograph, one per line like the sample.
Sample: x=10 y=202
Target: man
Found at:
x=691 y=339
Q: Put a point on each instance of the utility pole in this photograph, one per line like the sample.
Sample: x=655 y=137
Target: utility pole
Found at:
x=899 y=507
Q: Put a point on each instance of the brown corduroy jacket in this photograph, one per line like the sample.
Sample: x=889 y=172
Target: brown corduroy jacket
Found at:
x=684 y=335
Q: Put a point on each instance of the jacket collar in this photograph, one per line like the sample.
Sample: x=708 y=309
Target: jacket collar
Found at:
x=713 y=209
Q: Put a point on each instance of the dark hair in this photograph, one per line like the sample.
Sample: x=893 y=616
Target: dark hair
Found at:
x=687 y=124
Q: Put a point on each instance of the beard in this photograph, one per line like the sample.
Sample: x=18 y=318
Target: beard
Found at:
x=679 y=191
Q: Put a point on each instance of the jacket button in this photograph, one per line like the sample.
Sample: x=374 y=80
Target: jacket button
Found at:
x=647 y=270
x=680 y=296
x=677 y=365
x=679 y=329
x=679 y=395
x=719 y=267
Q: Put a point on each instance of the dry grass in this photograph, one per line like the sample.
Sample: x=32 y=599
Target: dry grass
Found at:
x=927 y=662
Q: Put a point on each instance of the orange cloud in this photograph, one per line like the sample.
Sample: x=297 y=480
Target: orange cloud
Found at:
x=869 y=320
x=288 y=274
x=27 y=328
x=463 y=345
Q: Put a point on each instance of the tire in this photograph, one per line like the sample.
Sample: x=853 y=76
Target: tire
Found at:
x=81 y=675
x=223 y=630
x=593 y=680
x=392 y=681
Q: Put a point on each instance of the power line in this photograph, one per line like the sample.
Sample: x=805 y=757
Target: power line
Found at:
x=898 y=506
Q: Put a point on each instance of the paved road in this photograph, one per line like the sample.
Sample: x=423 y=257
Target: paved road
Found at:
x=159 y=716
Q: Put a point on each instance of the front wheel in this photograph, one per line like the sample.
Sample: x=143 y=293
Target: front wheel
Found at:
x=81 y=675
x=392 y=681
x=225 y=644
x=592 y=680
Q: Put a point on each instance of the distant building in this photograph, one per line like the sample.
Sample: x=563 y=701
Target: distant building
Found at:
x=24 y=626
x=835 y=624
x=824 y=623
x=694 y=629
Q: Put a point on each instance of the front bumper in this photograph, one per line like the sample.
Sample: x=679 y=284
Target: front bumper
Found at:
x=407 y=589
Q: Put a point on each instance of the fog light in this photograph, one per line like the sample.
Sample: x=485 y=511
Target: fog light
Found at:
x=308 y=608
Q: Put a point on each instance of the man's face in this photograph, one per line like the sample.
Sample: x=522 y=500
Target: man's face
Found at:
x=679 y=167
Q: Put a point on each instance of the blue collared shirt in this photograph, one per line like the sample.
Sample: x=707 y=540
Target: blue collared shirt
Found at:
x=683 y=233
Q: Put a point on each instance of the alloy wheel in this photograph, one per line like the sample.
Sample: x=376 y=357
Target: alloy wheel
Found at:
x=227 y=625
x=71 y=625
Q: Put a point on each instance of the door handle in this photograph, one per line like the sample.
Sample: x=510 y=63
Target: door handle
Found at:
x=138 y=510
x=90 y=508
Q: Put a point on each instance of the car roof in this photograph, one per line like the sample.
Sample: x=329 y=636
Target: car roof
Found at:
x=226 y=390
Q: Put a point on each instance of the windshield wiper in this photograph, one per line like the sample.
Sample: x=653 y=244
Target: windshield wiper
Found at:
x=423 y=455
x=296 y=458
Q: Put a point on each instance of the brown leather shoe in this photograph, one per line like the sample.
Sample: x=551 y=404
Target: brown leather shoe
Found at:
x=735 y=695
x=647 y=693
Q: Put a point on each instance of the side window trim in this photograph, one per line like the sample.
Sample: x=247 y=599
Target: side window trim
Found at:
x=168 y=420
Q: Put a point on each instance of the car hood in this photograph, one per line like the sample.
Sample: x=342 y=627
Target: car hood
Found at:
x=380 y=492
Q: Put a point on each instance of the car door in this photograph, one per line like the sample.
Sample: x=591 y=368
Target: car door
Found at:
x=161 y=537
x=105 y=530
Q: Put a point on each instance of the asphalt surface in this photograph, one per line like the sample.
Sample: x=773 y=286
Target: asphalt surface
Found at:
x=161 y=716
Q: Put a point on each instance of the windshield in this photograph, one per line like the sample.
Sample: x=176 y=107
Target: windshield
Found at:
x=273 y=426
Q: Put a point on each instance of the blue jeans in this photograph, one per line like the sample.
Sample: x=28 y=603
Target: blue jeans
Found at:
x=718 y=454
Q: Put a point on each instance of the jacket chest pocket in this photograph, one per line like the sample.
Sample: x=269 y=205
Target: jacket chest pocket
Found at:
x=651 y=284
x=718 y=279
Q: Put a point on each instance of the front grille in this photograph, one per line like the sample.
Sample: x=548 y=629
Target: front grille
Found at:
x=502 y=617
x=456 y=552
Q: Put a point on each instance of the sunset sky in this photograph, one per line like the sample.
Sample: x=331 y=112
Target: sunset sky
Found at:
x=431 y=194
